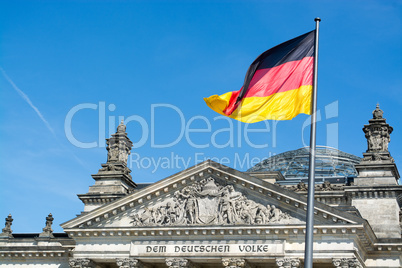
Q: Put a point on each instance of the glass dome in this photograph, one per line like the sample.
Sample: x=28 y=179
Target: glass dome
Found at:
x=330 y=162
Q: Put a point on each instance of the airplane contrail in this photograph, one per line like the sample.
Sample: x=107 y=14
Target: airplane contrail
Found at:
x=26 y=98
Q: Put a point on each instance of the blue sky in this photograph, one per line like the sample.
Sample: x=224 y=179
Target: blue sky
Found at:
x=72 y=70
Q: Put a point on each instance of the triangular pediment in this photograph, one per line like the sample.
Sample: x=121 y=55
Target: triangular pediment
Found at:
x=208 y=194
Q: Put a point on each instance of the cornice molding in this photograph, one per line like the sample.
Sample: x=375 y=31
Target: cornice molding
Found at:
x=18 y=253
x=172 y=184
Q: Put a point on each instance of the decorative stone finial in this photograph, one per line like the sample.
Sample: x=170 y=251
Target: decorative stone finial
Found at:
x=377 y=133
x=377 y=113
x=121 y=128
x=47 y=231
x=7 y=232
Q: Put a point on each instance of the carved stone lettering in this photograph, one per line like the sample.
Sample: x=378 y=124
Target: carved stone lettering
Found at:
x=156 y=249
x=206 y=202
x=232 y=249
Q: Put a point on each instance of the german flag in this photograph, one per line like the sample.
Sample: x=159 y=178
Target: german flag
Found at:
x=277 y=86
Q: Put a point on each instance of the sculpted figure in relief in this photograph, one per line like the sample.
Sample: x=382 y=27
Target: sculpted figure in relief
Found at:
x=122 y=152
x=378 y=138
x=386 y=138
x=206 y=202
x=113 y=153
x=117 y=151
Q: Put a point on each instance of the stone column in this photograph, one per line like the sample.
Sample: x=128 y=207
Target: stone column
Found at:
x=288 y=262
x=81 y=263
x=235 y=263
x=130 y=263
x=346 y=263
x=179 y=263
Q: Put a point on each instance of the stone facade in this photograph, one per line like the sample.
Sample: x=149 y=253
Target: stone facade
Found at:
x=211 y=215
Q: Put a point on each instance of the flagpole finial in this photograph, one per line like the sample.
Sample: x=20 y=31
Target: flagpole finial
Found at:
x=317 y=19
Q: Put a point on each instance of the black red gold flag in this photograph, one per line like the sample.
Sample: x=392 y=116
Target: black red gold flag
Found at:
x=277 y=86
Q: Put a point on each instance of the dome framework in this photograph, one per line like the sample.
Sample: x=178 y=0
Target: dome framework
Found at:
x=330 y=162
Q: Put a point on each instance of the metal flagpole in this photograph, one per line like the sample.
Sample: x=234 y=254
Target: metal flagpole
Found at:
x=308 y=250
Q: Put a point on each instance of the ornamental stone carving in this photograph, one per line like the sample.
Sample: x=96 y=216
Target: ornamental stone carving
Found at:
x=377 y=133
x=325 y=186
x=346 y=263
x=81 y=263
x=300 y=187
x=6 y=231
x=47 y=231
x=129 y=263
x=179 y=263
x=400 y=218
x=119 y=146
x=206 y=203
x=235 y=263
x=288 y=262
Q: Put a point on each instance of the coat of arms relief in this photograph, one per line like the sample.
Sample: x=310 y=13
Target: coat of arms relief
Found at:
x=208 y=203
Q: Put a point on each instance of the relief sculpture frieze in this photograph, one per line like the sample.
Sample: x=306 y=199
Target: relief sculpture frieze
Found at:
x=206 y=203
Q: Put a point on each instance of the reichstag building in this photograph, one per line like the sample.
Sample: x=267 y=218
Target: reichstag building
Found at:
x=211 y=215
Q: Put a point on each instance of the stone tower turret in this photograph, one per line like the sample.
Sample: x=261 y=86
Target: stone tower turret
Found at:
x=376 y=193
x=377 y=166
x=113 y=180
